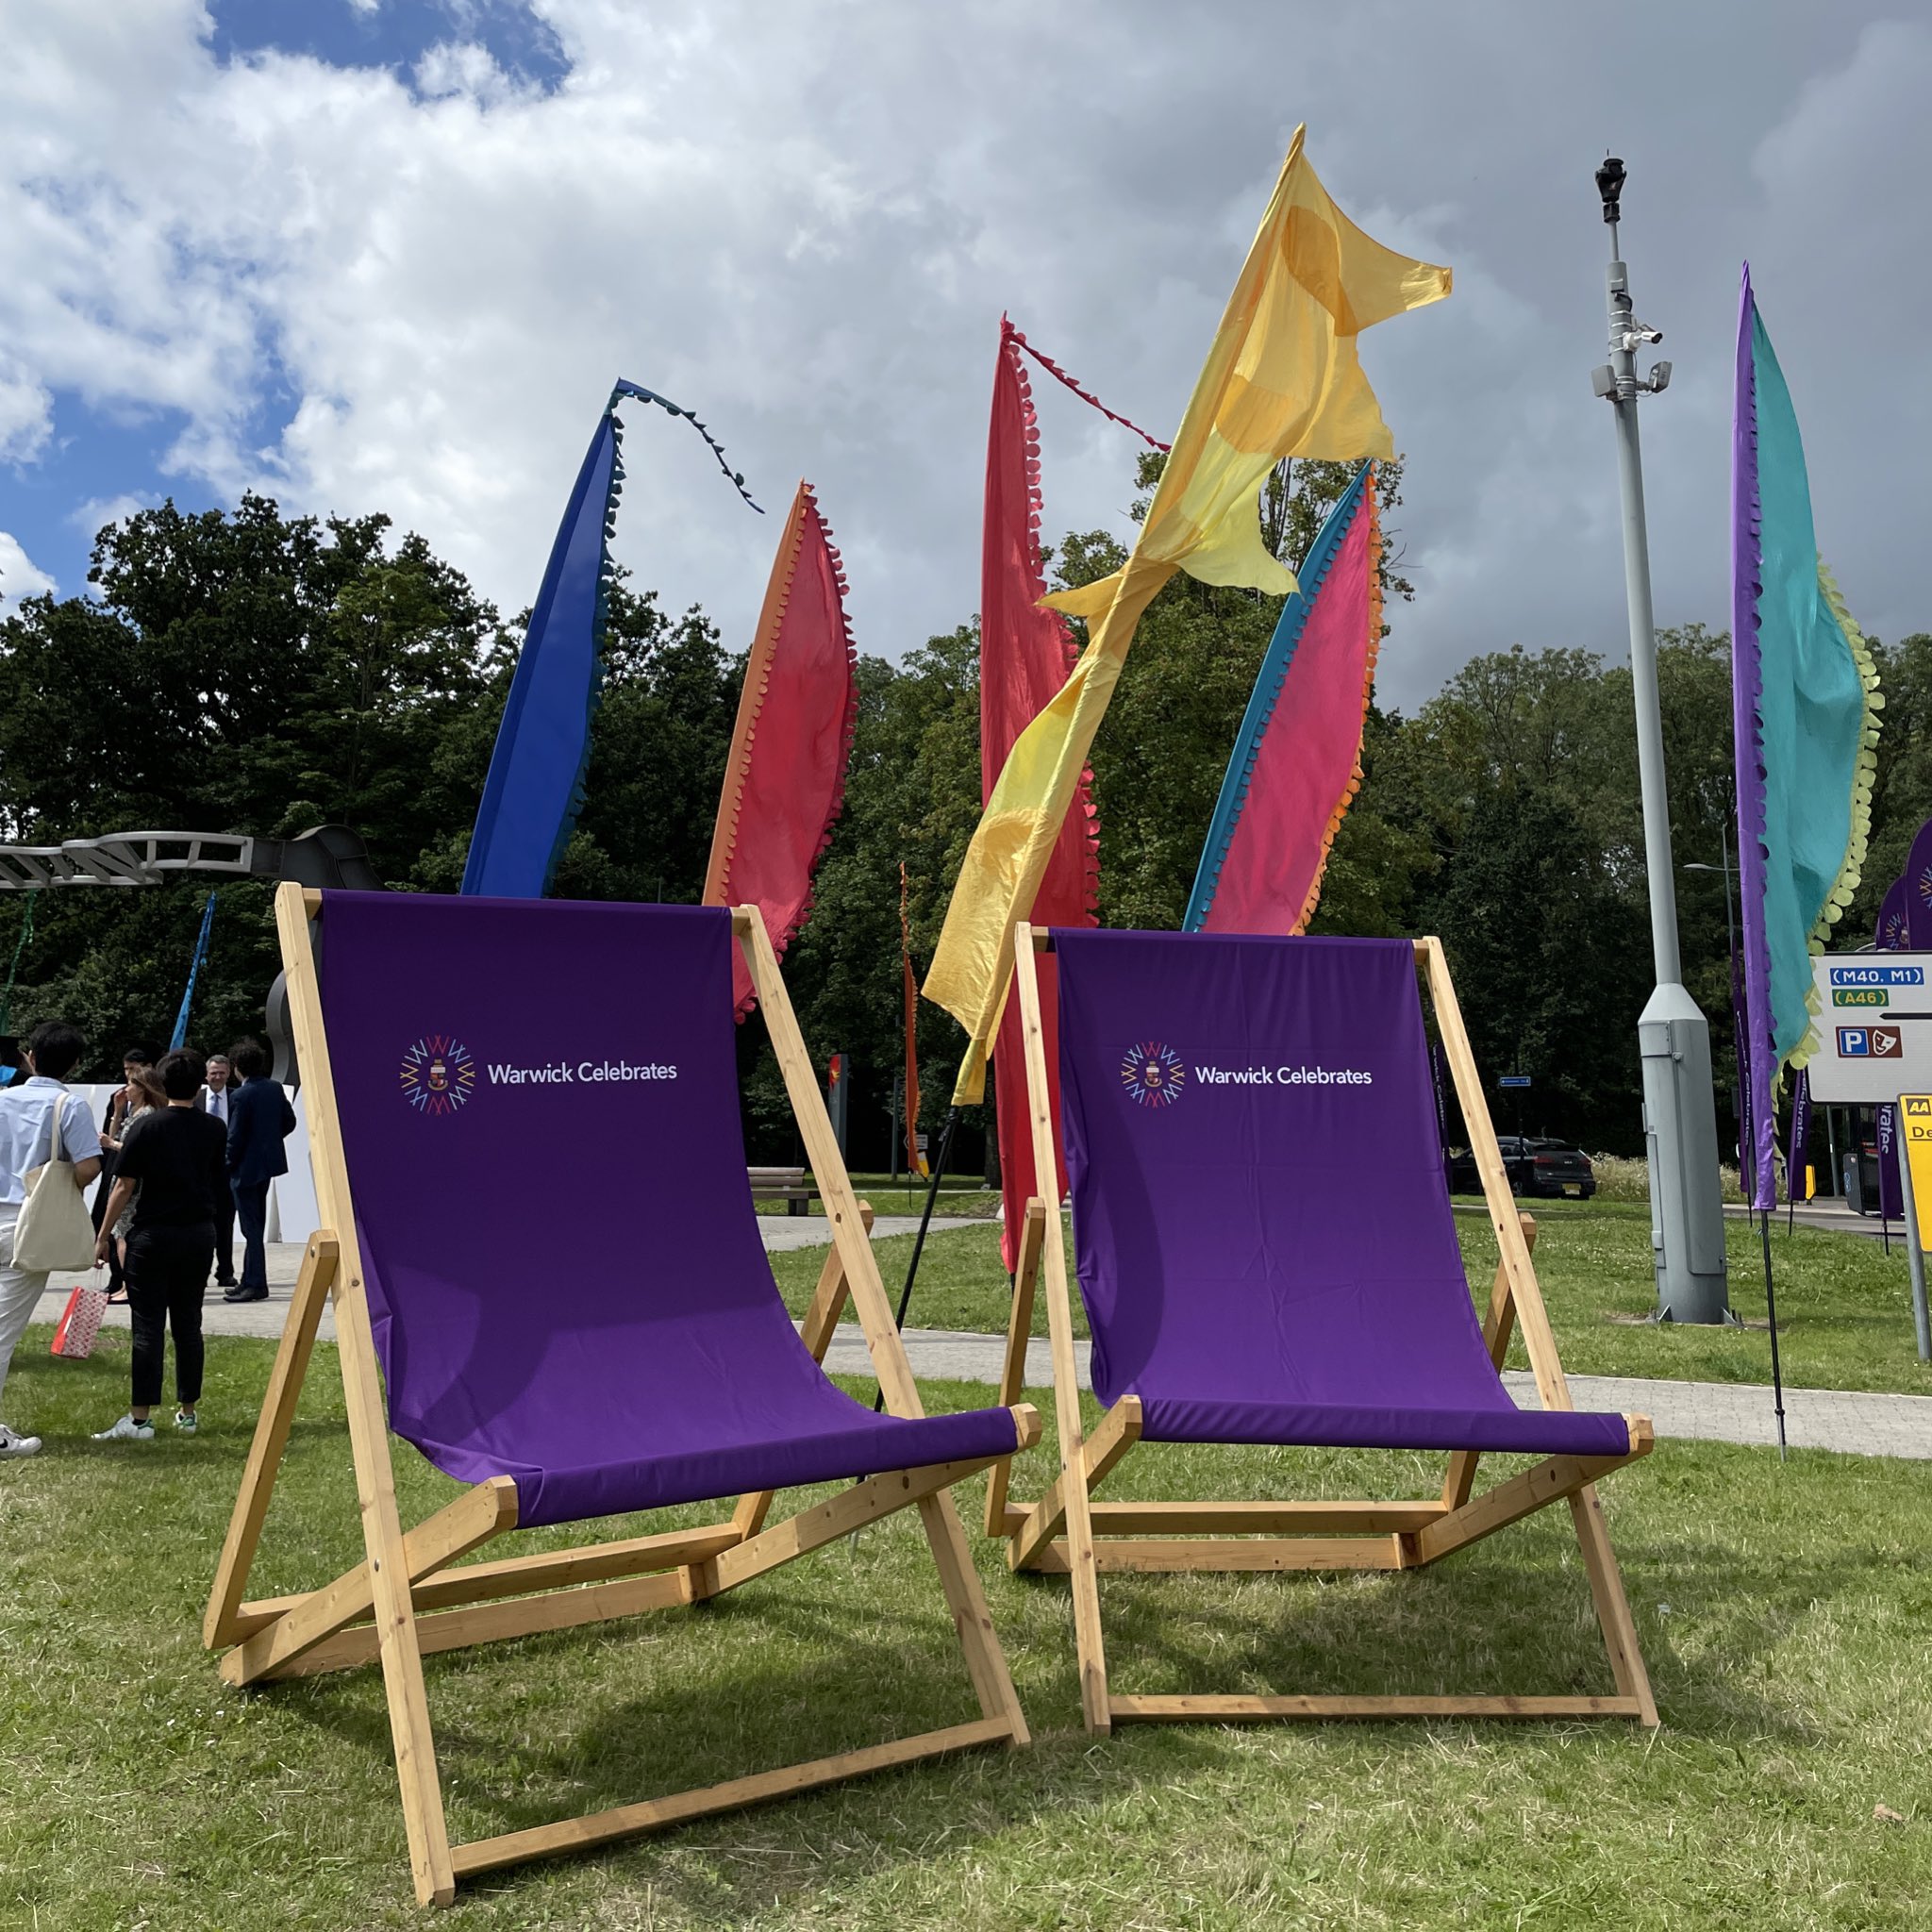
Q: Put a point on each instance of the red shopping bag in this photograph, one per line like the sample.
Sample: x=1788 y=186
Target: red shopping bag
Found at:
x=80 y=1322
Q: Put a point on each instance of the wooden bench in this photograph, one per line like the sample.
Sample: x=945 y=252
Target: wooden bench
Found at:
x=792 y=1185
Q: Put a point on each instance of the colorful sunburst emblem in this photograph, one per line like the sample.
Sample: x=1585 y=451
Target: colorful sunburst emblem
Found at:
x=1153 y=1075
x=438 y=1074
x=1894 y=939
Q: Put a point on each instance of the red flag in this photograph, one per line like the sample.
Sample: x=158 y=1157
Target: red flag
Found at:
x=912 y=1161
x=785 y=775
x=1024 y=656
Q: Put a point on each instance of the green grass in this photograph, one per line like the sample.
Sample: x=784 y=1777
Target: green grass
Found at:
x=1782 y=1611
x=958 y=1196
x=1844 y=1313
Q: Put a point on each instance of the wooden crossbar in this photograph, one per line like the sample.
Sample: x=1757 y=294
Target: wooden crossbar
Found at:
x=1234 y=1709
x=1067 y=1532
x=408 y=1597
x=657 y=1814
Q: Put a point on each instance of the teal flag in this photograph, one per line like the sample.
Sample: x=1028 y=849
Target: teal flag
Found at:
x=1805 y=705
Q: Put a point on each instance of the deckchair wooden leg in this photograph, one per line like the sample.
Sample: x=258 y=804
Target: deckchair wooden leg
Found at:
x=816 y=1331
x=476 y=1516
x=1613 y=1606
x=985 y=1663
x=272 y=1426
x=1083 y=1572
x=1013 y=1369
x=1119 y=1430
x=395 y=1627
x=1497 y=1327
x=1549 y=1481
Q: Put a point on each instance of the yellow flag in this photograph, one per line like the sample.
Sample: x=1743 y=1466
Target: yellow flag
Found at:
x=1282 y=380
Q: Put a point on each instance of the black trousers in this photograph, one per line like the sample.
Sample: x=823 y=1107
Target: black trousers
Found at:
x=167 y=1274
x=116 y=1280
x=224 y=1238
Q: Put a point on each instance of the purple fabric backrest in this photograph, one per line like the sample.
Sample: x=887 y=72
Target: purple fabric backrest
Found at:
x=1259 y=1206
x=538 y=1106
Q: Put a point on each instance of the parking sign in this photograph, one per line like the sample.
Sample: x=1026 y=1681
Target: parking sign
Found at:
x=1873 y=1019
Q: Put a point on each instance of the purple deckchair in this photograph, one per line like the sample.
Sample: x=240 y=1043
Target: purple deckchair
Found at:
x=1267 y=1255
x=565 y=1277
x=538 y=1224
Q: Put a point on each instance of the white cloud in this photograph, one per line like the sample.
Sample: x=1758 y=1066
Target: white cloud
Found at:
x=806 y=222
x=18 y=577
x=98 y=512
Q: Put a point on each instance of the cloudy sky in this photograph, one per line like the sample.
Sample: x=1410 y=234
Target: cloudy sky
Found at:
x=390 y=255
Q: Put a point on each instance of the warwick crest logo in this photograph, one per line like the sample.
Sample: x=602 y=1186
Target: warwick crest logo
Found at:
x=438 y=1075
x=1153 y=1075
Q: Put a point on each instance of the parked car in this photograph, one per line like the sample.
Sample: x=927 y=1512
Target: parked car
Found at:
x=1539 y=1168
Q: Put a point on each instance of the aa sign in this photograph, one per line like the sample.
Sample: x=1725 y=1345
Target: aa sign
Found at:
x=1915 y=1122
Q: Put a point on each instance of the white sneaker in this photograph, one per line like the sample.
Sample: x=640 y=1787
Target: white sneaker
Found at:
x=13 y=1443
x=126 y=1430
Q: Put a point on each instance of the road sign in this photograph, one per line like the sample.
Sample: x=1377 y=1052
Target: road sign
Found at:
x=1873 y=1019
x=1915 y=1121
x=1512 y=1080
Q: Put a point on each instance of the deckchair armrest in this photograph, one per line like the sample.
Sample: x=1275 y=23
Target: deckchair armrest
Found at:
x=1027 y=1425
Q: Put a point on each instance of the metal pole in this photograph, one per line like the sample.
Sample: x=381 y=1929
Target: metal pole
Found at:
x=1673 y=1039
x=932 y=1194
x=1915 y=1261
x=1777 y=1373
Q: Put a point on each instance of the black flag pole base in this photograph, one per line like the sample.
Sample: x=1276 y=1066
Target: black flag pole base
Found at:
x=932 y=1194
x=1777 y=1379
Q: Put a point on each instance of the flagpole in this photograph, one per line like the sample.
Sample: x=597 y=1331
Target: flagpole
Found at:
x=932 y=1194
x=1777 y=1377
x=1674 y=1038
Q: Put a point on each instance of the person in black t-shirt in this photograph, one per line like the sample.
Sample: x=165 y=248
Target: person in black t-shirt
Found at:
x=177 y=1155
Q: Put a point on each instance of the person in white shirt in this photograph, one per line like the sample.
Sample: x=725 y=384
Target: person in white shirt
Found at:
x=216 y=1098
x=27 y=1108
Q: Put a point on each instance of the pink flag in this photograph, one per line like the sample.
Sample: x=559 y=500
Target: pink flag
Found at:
x=785 y=775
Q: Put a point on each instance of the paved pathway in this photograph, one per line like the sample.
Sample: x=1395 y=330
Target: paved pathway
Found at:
x=1858 y=1425
x=1828 y=1213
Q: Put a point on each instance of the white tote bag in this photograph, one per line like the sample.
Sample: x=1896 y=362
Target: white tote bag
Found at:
x=54 y=1229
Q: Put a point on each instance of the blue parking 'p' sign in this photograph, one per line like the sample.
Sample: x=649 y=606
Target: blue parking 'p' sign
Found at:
x=1853 y=1044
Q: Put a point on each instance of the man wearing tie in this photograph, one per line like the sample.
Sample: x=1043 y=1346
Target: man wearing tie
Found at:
x=259 y=1119
x=216 y=1098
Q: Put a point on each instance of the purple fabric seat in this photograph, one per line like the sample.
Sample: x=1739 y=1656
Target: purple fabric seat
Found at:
x=1261 y=1222
x=539 y=1111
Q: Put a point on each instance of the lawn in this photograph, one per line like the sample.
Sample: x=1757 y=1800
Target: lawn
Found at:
x=1782 y=1611
x=1844 y=1313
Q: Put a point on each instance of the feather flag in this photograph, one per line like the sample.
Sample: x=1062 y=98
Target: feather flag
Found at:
x=1916 y=891
x=1025 y=652
x=535 y=785
x=785 y=774
x=1297 y=760
x=1894 y=919
x=179 y=1036
x=1282 y=378
x=1804 y=698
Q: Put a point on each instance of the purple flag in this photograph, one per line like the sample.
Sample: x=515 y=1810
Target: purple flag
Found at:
x=1894 y=928
x=1891 y=1191
x=1801 y=1135
x=1917 y=880
x=1893 y=935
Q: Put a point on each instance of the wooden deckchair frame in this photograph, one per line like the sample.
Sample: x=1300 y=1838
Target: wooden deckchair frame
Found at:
x=377 y=1610
x=1066 y=1532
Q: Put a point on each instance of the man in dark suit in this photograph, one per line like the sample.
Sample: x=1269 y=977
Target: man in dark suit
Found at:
x=259 y=1119
x=217 y=1097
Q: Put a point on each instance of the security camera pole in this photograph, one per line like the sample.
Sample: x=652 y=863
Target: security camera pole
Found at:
x=1687 y=1227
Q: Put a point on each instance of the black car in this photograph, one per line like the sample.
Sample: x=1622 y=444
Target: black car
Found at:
x=1536 y=1167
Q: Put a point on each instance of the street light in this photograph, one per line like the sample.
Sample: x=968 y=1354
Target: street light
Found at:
x=1686 y=1226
